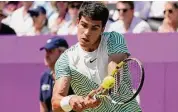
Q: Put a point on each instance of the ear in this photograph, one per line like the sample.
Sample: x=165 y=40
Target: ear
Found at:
x=78 y=20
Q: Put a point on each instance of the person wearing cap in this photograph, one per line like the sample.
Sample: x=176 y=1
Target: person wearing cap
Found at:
x=54 y=47
x=39 y=22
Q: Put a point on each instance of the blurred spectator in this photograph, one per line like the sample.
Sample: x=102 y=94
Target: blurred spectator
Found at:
x=70 y=27
x=170 y=22
x=21 y=21
x=47 y=5
x=10 y=7
x=127 y=21
x=4 y=29
x=110 y=20
x=141 y=10
x=156 y=16
x=39 y=22
x=58 y=18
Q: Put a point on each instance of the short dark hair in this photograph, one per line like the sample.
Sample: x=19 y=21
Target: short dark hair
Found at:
x=130 y=3
x=174 y=3
x=94 y=10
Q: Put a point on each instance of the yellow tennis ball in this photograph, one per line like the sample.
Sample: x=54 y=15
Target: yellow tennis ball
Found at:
x=108 y=82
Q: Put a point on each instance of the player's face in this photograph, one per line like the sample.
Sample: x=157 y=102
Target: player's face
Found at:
x=51 y=57
x=89 y=31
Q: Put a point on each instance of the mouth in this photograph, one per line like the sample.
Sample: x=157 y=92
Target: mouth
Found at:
x=85 y=40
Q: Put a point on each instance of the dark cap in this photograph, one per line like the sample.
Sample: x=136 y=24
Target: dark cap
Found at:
x=37 y=11
x=55 y=42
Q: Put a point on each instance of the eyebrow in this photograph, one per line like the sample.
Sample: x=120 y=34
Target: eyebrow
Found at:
x=92 y=25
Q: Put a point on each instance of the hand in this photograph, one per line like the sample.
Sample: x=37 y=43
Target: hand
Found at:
x=99 y=90
x=90 y=102
x=77 y=103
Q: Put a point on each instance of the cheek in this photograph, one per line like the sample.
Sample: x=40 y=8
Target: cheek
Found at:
x=80 y=30
x=95 y=35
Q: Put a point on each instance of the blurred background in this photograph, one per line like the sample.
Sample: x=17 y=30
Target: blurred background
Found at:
x=150 y=28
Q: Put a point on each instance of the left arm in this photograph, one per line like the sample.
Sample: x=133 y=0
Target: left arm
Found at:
x=117 y=50
x=114 y=59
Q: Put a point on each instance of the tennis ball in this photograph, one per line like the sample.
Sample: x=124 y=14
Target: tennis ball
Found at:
x=108 y=82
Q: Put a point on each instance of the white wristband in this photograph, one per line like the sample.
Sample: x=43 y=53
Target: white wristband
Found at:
x=64 y=103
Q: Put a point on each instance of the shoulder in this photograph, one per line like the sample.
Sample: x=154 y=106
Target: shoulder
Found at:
x=141 y=26
x=116 y=23
x=17 y=12
x=116 y=26
x=8 y=29
x=112 y=35
x=68 y=55
x=140 y=22
x=72 y=49
x=53 y=16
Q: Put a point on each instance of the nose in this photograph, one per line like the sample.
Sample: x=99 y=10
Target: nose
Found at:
x=87 y=32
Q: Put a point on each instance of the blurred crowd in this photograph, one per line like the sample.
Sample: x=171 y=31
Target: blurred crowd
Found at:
x=27 y=18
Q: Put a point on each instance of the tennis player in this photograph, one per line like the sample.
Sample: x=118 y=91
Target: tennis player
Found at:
x=86 y=64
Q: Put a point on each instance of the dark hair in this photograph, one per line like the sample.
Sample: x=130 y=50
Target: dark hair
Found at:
x=130 y=3
x=174 y=3
x=94 y=10
x=70 y=4
x=36 y=12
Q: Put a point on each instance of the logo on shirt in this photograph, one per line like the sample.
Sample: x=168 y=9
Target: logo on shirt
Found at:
x=45 y=87
x=91 y=61
x=48 y=41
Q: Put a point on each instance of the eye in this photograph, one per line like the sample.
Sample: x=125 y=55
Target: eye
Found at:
x=84 y=25
x=94 y=28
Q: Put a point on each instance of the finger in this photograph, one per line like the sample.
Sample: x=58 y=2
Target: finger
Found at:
x=99 y=89
x=77 y=107
x=92 y=93
x=82 y=102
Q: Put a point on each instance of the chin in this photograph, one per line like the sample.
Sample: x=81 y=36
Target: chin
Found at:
x=83 y=44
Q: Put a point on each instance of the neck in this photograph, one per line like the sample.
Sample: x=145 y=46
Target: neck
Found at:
x=174 y=25
x=25 y=9
x=38 y=28
x=127 y=23
x=92 y=47
x=62 y=15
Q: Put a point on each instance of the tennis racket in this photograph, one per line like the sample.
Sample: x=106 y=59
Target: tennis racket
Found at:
x=129 y=71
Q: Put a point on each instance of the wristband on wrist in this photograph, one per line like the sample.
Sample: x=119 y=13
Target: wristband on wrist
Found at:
x=64 y=103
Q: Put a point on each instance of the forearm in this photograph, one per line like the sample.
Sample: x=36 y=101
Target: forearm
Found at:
x=56 y=104
x=60 y=91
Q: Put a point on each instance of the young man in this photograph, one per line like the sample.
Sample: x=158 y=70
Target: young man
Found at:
x=127 y=22
x=54 y=47
x=87 y=63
